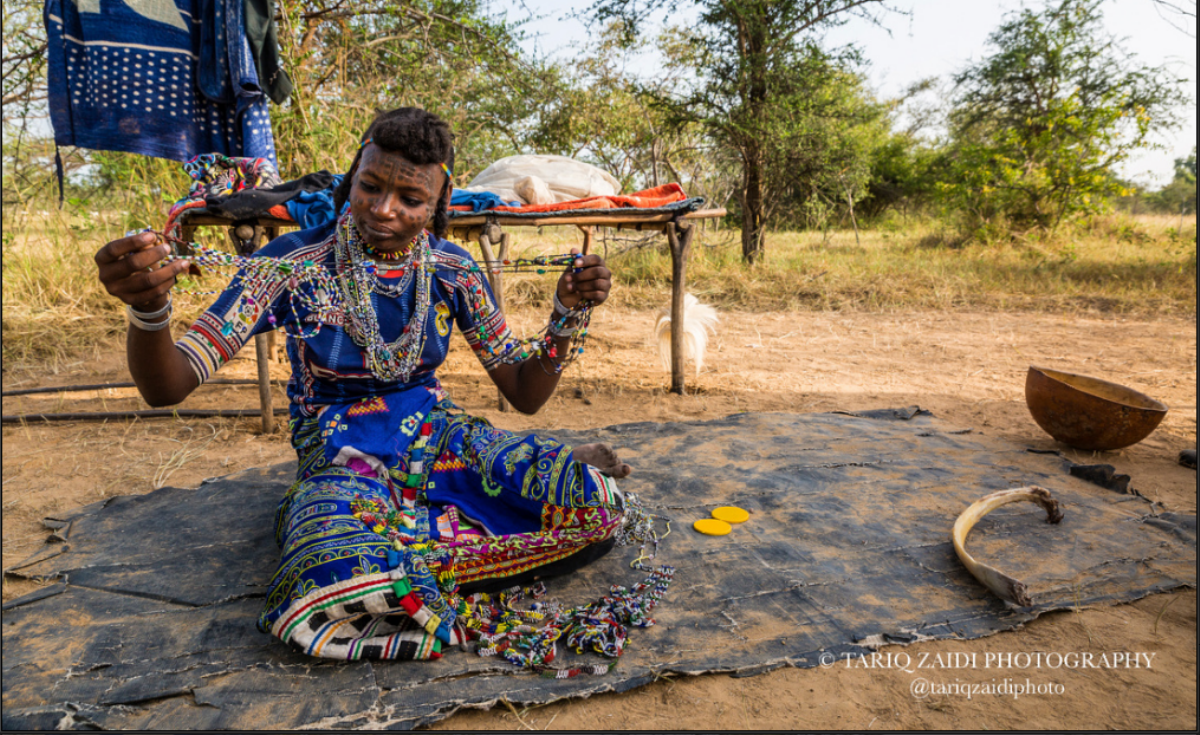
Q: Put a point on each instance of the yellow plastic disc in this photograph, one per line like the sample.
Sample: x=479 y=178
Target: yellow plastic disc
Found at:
x=712 y=527
x=730 y=514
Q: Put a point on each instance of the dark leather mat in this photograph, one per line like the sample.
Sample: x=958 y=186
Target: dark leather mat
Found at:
x=147 y=619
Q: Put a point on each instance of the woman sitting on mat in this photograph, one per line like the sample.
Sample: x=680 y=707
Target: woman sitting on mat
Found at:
x=402 y=503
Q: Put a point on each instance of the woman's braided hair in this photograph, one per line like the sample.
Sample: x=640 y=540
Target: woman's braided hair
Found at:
x=419 y=136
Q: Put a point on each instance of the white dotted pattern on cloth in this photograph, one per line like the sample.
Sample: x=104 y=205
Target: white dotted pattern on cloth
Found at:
x=111 y=77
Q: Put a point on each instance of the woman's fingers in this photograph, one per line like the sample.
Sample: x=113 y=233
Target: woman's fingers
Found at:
x=144 y=285
x=587 y=274
x=153 y=290
x=132 y=268
x=597 y=291
x=588 y=278
x=122 y=257
x=126 y=268
x=120 y=247
x=593 y=282
x=131 y=263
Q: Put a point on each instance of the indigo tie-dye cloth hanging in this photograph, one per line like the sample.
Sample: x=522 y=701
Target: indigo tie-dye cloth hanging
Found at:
x=122 y=76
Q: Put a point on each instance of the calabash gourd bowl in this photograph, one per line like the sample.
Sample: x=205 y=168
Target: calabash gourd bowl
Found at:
x=1089 y=413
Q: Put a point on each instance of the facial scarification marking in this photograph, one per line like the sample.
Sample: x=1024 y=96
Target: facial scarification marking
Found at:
x=396 y=170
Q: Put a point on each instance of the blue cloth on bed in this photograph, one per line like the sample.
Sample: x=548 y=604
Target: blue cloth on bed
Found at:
x=479 y=200
x=314 y=208
x=123 y=79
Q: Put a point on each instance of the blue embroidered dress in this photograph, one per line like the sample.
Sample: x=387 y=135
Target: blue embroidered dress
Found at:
x=400 y=496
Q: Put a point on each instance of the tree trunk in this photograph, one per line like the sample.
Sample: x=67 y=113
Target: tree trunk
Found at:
x=853 y=221
x=753 y=50
x=752 y=206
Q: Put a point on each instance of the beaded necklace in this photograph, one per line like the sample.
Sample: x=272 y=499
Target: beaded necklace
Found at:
x=528 y=638
x=347 y=291
x=397 y=261
x=393 y=287
x=401 y=254
x=392 y=361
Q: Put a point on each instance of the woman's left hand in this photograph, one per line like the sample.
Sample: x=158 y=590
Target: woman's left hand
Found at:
x=593 y=281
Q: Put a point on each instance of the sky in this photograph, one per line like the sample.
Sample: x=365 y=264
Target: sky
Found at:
x=940 y=37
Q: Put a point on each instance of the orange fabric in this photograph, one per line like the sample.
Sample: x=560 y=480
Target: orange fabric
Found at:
x=279 y=211
x=659 y=196
x=178 y=209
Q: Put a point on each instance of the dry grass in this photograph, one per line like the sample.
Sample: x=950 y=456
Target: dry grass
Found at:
x=54 y=307
x=1142 y=266
x=1117 y=264
x=188 y=450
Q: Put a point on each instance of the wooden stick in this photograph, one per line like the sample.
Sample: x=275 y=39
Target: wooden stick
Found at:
x=272 y=338
x=485 y=245
x=587 y=238
x=157 y=413
x=680 y=243
x=187 y=233
x=262 y=354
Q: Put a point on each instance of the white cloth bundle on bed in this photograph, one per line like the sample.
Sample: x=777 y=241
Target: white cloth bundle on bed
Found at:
x=544 y=179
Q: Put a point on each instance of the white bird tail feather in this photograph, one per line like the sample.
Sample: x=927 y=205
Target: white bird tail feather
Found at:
x=698 y=320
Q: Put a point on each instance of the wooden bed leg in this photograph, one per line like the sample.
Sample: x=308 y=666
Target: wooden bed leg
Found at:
x=587 y=238
x=262 y=356
x=246 y=239
x=489 y=234
x=274 y=343
x=680 y=238
x=187 y=233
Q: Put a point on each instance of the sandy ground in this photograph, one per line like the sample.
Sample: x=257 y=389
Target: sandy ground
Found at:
x=967 y=368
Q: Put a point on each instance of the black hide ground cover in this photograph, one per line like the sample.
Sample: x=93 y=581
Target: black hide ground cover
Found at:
x=147 y=620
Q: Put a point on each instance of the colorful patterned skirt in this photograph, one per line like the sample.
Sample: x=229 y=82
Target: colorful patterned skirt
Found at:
x=373 y=561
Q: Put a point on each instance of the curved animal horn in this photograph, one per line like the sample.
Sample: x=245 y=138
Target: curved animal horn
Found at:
x=1005 y=587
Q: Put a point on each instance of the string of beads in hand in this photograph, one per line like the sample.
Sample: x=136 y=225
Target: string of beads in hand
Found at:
x=312 y=286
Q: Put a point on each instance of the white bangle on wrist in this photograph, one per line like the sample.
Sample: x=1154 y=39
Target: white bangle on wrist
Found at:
x=559 y=309
x=147 y=326
x=152 y=314
x=139 y=318
x=564 y=332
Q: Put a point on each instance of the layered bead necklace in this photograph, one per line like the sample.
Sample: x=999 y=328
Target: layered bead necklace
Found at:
x=391 y=361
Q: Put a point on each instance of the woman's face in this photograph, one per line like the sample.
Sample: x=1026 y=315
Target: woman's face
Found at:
x=392 y=198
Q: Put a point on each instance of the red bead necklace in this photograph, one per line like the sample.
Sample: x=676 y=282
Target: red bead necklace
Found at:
x=392 y=255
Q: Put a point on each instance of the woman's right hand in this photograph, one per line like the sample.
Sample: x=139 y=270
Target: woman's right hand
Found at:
x=127 y=272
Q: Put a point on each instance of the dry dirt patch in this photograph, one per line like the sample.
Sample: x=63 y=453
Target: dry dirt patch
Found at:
x=968 y=368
